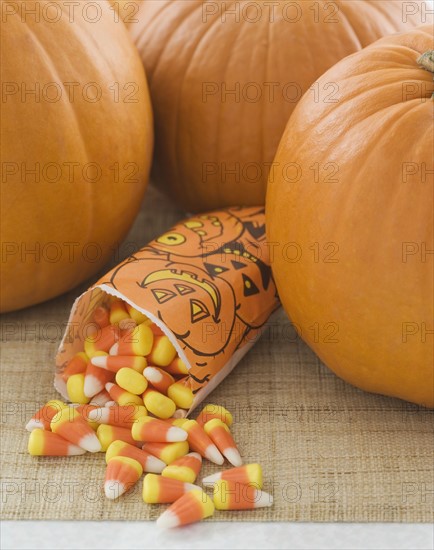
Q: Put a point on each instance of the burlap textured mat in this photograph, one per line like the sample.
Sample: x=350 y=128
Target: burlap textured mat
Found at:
x=330 y=452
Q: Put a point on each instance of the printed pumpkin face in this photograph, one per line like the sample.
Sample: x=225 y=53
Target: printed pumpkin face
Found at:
x=252 y=281
x=201 y=234
x=205 y=312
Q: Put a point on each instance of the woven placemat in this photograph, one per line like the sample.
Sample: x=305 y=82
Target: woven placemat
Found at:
x=330 y=452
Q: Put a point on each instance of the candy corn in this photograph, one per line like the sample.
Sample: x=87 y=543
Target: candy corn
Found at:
x=121 y=396
x=148 y=462
x=107 y=434
x=118 y=311
x=156 y=330
x=101 y=399
x=101 y=316
x=116 y=362
x=229 y=495
x=153 y=430
x=137 y=341
x=70 y=425
x=44 y=443
x=159 y=489
x=131 y=381
x=201 y=443
x=121 y=474
x=102 y=340
x=163 y=352
x=190 y=508
x=250 y=474
x=135 y=314
x=44 y=416
x=185 y=468
x=84 y=411
x=177 y=366
x=76 y=365
x=95 y=380
x=126 y=325
x=214 y=411
x=160 y=379
x=118 y=415
x=158 y=404
x=167 y=452
x=221 y=436
x=181 y=393
x=75 y=389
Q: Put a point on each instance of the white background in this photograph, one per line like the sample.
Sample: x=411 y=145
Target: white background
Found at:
x=59 y=535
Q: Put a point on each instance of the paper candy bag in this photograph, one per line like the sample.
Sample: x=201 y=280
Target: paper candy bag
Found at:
x=206 y=283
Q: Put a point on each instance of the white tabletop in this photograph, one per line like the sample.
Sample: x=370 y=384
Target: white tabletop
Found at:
x=47 y=535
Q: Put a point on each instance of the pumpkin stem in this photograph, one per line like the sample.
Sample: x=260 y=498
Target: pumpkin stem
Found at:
x=426 y=60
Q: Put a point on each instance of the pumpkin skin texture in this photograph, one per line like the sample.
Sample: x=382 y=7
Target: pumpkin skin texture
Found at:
x=72 y=213
x=194 y=58
x=371 y=276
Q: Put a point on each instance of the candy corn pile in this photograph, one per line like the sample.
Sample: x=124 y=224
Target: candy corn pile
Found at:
x=129 y=398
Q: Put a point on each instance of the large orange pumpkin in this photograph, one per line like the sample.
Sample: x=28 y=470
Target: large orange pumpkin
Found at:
x=225 y=76
x=351 y=209
x=76 y=145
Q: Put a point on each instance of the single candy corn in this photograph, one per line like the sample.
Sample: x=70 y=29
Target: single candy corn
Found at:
x=181 y=394
x=44 y=416
x=229 y=495
x=107 y=434
x=101 y=399
x=119 y=415
x=102 y=340
x=160 y=379
x=153 y=430
x=159 y=489
x=167 y=452
x=192 y=507
x=137 y=341
x=115 y=363
x=75 y=388
x=177 y=366
x=221 y=436
x=101 y=316
x=186 y=468
x=118 y=311
x=158 y=404
x=121 y=396
x=131 y=381
x=148 y=462
x=70 y=425
x=135 y=314
x=84 y=411
x=200 y=442
x=163 y=352
x=44 y=443
x=121 y=474
x=250 y=474
x=76 y=365
x=214 y=411
x=95 y=379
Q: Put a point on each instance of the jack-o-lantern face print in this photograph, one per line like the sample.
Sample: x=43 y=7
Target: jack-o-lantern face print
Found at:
x=250 y=278
x=185 y=297
x=199 y=235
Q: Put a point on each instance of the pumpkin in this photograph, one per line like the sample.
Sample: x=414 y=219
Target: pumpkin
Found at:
x=225 y=76
x=77 y=138
x=125 y=10
x=351 y=216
